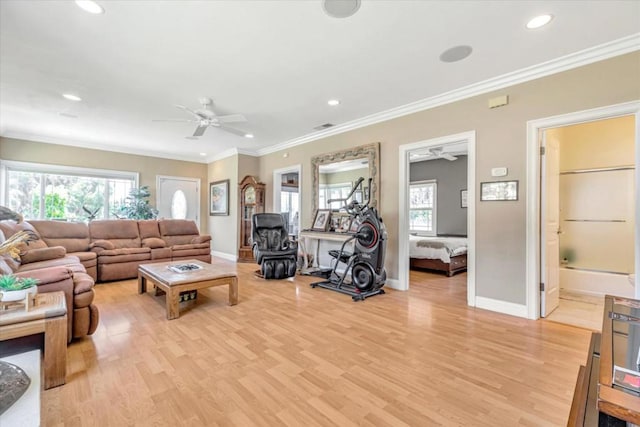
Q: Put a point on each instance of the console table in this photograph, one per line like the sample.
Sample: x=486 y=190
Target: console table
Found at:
x=607 y=391
x=48 y=316
x=318 y=244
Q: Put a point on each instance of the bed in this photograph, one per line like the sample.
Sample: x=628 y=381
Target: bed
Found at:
x=446 y=254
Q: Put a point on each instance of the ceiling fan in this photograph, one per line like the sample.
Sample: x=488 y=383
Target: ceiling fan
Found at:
x=205 y=117
x=438 y=153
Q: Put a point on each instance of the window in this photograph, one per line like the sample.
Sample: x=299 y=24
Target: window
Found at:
x=66 y=193
x=333 y=192
x=422 y=207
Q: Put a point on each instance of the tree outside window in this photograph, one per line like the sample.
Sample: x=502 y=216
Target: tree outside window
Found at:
x=422 y=207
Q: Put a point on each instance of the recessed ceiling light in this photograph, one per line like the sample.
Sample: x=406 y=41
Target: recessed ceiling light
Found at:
x=333 y=102
x=72 y=97
x=90 y=6
x=539 y=21
x=203 y=154
x=248 y=135
x=456 y=53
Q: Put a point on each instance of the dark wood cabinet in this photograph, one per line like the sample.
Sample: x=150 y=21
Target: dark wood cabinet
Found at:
x=251 y=201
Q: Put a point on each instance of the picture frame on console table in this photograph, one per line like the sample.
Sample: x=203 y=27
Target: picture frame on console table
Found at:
x=322 y=220
x=219 y=198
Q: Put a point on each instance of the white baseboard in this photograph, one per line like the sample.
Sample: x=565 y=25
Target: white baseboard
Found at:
x=505 y=307
x=394 y=284
x=224 y=255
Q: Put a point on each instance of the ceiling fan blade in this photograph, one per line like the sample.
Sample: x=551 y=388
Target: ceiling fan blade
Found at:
x=448 y=157
x=232 y=130
x=231 y=118
x=189 y=110
x=200 y=130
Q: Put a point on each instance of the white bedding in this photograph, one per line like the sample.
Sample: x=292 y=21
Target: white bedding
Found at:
x=451 y=246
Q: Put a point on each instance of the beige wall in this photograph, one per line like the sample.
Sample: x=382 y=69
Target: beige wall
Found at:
x=224 y=228
x=147 y=167
x=501 y=141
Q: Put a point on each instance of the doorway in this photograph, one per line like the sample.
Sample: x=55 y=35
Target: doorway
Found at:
x=588 y=218
x=287 y=196
x=178 y=198
x=437 y=147
x=580 y=219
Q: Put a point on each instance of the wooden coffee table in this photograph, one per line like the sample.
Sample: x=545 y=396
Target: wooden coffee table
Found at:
x=173 y=283
x=48 y=316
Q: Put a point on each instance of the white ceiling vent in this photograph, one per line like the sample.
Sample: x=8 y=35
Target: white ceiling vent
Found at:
x=324 y=126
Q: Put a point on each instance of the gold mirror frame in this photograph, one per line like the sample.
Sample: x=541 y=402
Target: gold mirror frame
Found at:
x=370 y=151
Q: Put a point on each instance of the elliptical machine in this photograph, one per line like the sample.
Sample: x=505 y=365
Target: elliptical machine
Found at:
x=366 y=263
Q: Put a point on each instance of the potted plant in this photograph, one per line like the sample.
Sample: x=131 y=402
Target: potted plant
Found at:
x=14 y=288
x=136 y=205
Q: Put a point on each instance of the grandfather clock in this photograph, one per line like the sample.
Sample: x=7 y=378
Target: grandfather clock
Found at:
x=251 y=202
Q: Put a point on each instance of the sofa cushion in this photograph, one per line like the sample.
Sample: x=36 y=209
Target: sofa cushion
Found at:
x=124 y=255
x=201 y=239
x=85 y=257
x=148 y=228
x=74 y=236
x=153 y=243
x=123 y=233
x=177 y=231
x=42 y=254
x=102 y=244
x=9 y=228
x=190 y=246
x=6 y=265
x=64 y=261
x=161 y=253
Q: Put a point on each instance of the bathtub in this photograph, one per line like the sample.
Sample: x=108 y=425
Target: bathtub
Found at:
x=596 y=283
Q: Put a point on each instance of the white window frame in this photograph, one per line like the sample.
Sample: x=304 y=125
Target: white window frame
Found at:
x=326 y=189
x=434 y=209
x=9 y=165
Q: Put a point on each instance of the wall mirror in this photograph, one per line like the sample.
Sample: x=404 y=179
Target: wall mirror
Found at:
x=335 y=173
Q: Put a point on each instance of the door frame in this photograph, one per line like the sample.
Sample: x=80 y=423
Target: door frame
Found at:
x=403 y=208
x=533 y=190
x=277 y=188
x=181 y=178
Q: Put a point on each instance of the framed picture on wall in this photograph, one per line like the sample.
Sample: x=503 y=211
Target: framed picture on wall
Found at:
x=219 y=198
x=463 y=198
x=499 y=191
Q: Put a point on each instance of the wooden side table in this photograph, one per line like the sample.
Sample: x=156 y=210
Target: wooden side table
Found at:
x=48 y=316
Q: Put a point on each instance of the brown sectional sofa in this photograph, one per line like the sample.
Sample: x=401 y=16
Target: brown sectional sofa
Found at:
x=113 y=249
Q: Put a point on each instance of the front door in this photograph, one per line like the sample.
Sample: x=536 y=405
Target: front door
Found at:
x=178 y=198
x=550 y=221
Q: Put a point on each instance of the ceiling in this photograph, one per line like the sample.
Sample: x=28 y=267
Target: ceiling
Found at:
x=275 y=62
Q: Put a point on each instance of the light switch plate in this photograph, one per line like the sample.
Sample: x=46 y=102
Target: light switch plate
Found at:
x=499 y=172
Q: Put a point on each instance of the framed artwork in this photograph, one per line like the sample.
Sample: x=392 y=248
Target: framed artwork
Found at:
x=353 y=227
x=499 y=191
x=219 y=198
x=335 y=222
x=463 y=198
x=322 y=220
x=345 y=223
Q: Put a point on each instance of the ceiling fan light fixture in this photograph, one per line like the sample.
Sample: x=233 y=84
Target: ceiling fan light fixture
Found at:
x=72 y=97
x=90 y=6
x=539 y=21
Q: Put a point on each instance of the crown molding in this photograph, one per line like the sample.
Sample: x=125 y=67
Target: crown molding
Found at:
x=231 y=152
x=98 y=146
x=574 y=60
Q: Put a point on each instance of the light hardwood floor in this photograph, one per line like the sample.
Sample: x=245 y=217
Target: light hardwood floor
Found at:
x=291 y=355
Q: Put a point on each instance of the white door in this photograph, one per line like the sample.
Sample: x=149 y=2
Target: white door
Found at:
x=178 y=198
x=550 y=226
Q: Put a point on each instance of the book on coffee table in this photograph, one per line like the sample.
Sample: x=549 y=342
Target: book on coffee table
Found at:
x=184 y=268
